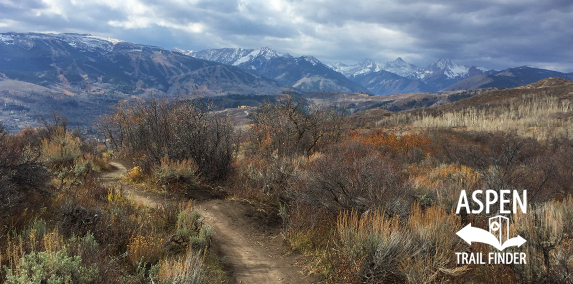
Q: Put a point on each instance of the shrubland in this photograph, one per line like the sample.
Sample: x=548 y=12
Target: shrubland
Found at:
x=365 y=206
x=60 y=224
x=178 y=131
x=378 y=206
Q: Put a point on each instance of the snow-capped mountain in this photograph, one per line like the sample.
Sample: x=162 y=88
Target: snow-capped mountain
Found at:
x=365 y=66
x=401 y=68
x=305 y=73
x=404 y=69
x=236 y=56
x=83 y=42
x=447 y=67
x=80 y=63
x=406 y=77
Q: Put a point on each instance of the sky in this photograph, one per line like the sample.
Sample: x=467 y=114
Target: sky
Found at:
x=494 y=34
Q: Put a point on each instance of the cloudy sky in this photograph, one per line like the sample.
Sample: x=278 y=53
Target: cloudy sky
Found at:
x=489 y=33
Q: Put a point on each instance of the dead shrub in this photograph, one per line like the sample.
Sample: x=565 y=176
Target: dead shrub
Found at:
x=180 y=130
x=412 y=147
x=77 y=220
x=188 y=269
x=548 y=228
x=291 y=127
x=355 y=176
x=374 y=244
x=23 y=179
x=260 y=179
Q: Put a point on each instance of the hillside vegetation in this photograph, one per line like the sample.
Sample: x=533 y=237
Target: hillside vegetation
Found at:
x=538 y=110
x=362 y=205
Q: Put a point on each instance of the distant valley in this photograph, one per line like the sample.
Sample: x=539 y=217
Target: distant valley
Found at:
x=81 y=76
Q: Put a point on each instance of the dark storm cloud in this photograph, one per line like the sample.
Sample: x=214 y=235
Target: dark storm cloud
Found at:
x=489 y=33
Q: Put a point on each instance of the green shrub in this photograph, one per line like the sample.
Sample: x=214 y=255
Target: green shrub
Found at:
x=375 y=248
x=190 y=228
x=50 y=267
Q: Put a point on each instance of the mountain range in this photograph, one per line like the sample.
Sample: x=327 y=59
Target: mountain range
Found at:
x=82 y=75
x=85 y=64
x=305 y=73
x=80 y=63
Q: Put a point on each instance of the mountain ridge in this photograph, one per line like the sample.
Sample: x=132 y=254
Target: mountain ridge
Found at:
x=305 y=73
x=78 y=62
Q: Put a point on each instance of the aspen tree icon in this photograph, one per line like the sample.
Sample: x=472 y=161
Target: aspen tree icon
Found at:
x=499 y=227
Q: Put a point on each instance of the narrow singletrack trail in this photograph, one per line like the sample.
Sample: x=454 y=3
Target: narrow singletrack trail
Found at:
x=251 y=252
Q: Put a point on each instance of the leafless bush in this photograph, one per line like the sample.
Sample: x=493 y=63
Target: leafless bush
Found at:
x=180 y=130
x=290 y=127
x=508 y=161
x=22 y=176
x=263 y=179
x=355 y=176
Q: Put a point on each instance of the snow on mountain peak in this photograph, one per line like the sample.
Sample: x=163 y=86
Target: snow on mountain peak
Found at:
x=185 y=52
x=84 y=42
x=109 y=39
x=401 y=67
x=450 y=69
x=268 y=53
x=7 y=38
x=311 y=59
x=365 y=66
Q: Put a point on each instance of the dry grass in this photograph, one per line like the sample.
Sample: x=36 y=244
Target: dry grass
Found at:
x=547 y=228
x=176 y=175
x=538 y=113
x=185 y=270
x=146 y=249
x=387 y=249
x=441 y=185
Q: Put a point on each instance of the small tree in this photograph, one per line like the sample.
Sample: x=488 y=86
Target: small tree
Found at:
x=22 y=174
x=291 y=127
x=178 y=130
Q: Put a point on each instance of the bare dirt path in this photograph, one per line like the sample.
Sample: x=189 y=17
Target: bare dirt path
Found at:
x=247 y=238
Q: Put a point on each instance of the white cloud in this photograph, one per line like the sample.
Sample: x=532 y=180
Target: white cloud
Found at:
x=494 y=33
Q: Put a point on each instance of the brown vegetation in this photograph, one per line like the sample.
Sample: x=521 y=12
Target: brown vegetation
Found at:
x=368 y=206
x=178 y=130
x=61 y=226
x=376 y=207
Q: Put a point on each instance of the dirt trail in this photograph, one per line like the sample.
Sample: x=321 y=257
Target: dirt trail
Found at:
x=252 y=251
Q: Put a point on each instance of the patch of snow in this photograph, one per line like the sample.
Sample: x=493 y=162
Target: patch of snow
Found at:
x=109 y=39
x=7 y=39
x=401 y=68
x=247 y=58
x=184 y=52
x=455 y=70
x=365 y=66
x=311 y=59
